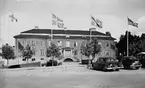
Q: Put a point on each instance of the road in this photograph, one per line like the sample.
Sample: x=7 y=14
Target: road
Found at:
x=70 y=76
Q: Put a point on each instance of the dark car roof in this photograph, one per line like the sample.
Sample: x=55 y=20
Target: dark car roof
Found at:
x=105 y=57
x=130 y=57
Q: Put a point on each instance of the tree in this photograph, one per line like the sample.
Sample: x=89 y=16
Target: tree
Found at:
x=53 y=51
x=91 y=48
x=134 y=44
x=142 y=42
x=8 y=52
x=27 y=52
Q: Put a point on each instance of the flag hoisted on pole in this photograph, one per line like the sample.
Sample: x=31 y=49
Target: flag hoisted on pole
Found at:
x=54 y=19
x=60 y=23
x=57 y=21
x=96 y=22
x=132 y=23
x=13 y=18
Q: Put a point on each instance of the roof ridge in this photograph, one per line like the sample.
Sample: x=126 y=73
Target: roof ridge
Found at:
x=64 y=31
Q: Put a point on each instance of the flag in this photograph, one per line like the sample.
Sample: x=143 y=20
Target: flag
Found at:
x=59 y=20
x=132 y=23
x=54 y=22
x=96 y=22
x=13 y=18
x=60 y=25
x=99 y=23
x=53 y=16
x=20 y=47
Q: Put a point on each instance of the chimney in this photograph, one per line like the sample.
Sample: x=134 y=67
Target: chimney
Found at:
x=36 y=27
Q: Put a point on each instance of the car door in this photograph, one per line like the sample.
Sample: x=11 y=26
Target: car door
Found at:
x=100 y=63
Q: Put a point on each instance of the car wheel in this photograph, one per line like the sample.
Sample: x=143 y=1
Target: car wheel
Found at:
x=104 y=69
x=134 y=68
x=117 y=69
x=137 y=67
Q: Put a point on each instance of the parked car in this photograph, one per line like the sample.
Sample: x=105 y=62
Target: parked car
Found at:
x=141 y=57
x=53 y=62
x=106 y=63
x=131 y=62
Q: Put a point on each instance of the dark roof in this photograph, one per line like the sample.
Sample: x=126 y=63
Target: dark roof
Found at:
x=55 y=31
x=31 y=36
x=60 y=37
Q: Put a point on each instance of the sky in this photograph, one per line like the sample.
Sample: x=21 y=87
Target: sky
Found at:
x=74 y=13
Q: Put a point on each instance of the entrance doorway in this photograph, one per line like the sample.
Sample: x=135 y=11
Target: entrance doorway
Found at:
x=68 y=60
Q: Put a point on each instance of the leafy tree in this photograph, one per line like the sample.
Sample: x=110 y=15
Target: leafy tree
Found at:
x=91 y=48
x=53 y=51
x=134 y=44
x=8 y=52
x=27 y=52
x=142 y=43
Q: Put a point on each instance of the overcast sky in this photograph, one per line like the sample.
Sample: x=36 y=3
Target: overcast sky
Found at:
x=74 y=13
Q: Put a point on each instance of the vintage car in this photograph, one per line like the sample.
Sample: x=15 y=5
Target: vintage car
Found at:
x=141 y=57
x=131 y=62
x=106 y=63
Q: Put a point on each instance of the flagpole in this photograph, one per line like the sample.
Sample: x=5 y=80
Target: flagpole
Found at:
x=127 y=44
x=90 y=34
x=127 y=39
x=51 y=34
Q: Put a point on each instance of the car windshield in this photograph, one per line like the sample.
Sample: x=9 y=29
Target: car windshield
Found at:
x=130 y=58
x=106 y=59
x=110 y=59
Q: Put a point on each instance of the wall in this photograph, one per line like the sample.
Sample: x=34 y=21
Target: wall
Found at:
x=41 y=44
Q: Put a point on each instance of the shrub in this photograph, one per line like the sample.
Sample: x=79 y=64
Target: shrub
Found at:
x=52 y=63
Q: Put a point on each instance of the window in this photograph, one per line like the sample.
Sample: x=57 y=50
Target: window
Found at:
x=59 y=43
x=33 y=59
x=67 y=44
x=28 y=42
x=42 y=43
x=112 y=46
x=33 y=43
x=34 y=49
x=107 y=44
x=42 y=52
x=37 y=43
x=107 y=53
x=49 y=43
x=75 y=44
